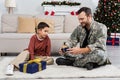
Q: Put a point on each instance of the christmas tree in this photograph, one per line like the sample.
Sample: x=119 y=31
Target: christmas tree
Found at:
x=108 y=13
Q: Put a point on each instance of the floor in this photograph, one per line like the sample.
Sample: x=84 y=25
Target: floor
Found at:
x=114 y=55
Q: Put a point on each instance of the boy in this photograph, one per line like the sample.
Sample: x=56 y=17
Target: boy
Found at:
x=39 y=47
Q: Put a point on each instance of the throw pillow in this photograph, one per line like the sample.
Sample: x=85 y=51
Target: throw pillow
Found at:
x=48 y=21
x=26 y=25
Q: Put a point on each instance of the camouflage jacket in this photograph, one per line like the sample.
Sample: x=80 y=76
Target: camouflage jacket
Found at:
x=96 y=38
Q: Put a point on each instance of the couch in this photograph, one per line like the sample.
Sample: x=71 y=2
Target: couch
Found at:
x=14 y=41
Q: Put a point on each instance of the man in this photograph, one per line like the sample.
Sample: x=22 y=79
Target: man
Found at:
x=91 y=37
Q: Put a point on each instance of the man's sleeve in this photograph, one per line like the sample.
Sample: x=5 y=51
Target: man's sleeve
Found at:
x=73 y=40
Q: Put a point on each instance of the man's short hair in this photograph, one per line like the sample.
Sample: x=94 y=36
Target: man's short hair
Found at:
x=86 y=10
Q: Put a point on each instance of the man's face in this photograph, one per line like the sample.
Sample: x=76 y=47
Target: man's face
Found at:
x=83 y=19
x=42 y=33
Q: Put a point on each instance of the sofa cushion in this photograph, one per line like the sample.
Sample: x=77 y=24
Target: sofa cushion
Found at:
x=57 y=36
x=48 y=21
x=71 y=22
x=58 y=20
x=60 y=36
x=17 y=42
x=26 y=25
x=9 y=22
x=15 y=36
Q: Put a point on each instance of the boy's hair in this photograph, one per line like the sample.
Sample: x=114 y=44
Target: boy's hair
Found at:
x=41 y=25
x=86 y=10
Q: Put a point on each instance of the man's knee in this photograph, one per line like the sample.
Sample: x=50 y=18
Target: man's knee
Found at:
x=100 y=57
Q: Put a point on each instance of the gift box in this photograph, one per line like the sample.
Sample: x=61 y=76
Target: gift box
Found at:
x=32 y=66
x=113 y=41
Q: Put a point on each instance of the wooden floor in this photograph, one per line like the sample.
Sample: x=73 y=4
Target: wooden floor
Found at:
x=114 y=56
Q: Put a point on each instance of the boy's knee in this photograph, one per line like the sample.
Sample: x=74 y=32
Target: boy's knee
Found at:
x=50 y=61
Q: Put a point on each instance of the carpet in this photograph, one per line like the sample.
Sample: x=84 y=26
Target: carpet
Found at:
x=60 y=72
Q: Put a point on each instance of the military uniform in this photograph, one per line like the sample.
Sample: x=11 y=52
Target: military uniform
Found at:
x=96 y=41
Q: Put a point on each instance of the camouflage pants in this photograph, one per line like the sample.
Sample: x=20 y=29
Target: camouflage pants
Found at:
x=98 y=57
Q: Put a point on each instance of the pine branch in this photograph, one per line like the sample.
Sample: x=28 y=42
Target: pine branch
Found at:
x=54 y=3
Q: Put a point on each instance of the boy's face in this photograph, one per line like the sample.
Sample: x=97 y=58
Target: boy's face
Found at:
x=42 y=33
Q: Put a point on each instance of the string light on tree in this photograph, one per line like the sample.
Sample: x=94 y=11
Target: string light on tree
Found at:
x=108 y=13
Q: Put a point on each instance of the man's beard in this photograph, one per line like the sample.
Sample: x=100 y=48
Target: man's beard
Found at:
x=84 y=24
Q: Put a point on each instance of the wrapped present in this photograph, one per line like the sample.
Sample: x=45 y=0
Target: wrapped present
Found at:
x=113 y=41
x=32 y=66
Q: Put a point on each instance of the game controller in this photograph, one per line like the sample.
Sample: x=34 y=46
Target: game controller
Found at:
x=65 y=49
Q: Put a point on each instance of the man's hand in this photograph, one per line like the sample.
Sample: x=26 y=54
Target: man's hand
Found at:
x=61 y=52
x=75 y=50
x=63 y=49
